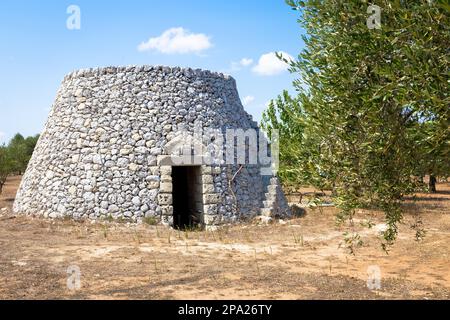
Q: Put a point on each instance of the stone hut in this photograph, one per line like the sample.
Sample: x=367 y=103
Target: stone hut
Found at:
x=149 y=141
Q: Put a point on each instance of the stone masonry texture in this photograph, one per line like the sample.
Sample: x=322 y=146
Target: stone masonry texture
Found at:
x=101 y=153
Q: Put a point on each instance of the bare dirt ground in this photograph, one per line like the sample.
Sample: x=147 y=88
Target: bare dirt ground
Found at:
x=302 y=258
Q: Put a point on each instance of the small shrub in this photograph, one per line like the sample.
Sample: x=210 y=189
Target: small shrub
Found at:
x=151 y=221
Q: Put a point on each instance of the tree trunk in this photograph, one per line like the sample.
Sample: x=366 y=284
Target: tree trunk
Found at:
x=432 y=184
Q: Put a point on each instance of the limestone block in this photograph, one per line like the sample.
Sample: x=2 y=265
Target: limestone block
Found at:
x=208 y=188
x=164 y=199
x=165 y=187
x=210 y=209
x=166 y=170
x=209 y=219
x=166 y=210
x=166 y=178
x=211 y=198
x=207 y=179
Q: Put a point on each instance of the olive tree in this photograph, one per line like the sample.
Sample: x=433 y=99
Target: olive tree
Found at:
x=371 y=79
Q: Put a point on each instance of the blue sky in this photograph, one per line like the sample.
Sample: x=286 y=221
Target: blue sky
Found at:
x=235 y=37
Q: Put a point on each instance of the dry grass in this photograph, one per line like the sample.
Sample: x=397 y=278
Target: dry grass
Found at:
x=302 y=258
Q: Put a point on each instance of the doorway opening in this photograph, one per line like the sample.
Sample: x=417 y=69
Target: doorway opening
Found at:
x=187 y=197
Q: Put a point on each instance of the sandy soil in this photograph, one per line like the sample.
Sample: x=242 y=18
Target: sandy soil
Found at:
x=302 y=258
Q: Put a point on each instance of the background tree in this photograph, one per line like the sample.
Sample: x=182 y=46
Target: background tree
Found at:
x=284 y=114
x=18 y=154
x=21 y=150
x=370 y=99
x=432 y=160
x=15 y=156
x=6 y=166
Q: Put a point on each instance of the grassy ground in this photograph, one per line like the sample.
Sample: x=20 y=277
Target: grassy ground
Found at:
x=302 y=258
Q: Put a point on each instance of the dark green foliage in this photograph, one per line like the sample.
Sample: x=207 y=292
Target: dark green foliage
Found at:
x=6 y=165
x=15 y=156
x=372 y=107
x=21 y=150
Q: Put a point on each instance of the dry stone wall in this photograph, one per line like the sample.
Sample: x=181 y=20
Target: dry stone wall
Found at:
x=101 y=153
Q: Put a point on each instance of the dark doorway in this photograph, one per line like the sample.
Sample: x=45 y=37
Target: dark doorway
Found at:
x=187 y=196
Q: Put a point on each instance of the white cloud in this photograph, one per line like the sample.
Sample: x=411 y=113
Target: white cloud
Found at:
x=2 y=135
x=270 y=65
x=245 y=62
x=177 y=41
x=247 y=100
x=237 y=66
